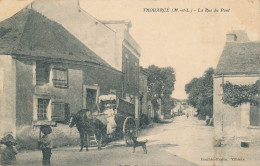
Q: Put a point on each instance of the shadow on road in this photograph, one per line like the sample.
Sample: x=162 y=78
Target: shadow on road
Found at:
x=163 y=145
x=110 y=146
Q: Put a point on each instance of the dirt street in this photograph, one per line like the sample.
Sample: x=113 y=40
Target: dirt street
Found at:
x=116 y=153
x=183 y=142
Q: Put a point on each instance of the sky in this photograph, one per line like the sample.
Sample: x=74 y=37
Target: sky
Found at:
x=190 y=42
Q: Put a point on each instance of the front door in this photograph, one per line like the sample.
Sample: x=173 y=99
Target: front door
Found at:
x=91 y=98
x=254 y=115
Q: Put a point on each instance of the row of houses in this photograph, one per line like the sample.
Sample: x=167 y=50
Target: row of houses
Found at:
x=56 y=59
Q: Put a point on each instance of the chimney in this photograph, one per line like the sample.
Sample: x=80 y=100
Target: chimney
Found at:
x=231 y=37
x=239 y=36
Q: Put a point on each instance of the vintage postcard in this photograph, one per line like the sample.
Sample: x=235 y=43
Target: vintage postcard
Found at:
x=130 y=82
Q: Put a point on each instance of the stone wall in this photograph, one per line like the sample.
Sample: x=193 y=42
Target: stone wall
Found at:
x=231 y=121
x=7 y=95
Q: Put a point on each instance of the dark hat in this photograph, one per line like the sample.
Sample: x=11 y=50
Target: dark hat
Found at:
x=46 y=129
x=8 y=138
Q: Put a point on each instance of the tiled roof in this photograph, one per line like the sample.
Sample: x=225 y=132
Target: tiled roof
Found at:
x=30 y=33
x=239 y=58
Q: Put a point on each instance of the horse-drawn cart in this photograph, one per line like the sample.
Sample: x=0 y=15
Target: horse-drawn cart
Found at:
x=113 y=118
x=118 y=115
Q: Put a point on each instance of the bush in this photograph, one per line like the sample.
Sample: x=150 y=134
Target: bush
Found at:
x=62 y=135
x=27 y=138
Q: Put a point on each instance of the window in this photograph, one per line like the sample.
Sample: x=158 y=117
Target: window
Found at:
x=42 y=72
x=60 y=77
x=42 y=109
x=60 y=112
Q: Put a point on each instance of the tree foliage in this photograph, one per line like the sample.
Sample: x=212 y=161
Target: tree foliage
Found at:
x=160 y=85
x=167 y=105
x=200 y=92
x=236 y=95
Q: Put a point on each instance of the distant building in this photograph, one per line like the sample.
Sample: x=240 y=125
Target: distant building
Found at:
x=143 y=87
x=238 y=64
x=150 y=109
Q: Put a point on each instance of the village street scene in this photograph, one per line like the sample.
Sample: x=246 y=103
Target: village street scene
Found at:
x=129 y=83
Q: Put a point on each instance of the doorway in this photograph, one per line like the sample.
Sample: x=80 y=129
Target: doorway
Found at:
x=91 y=98
x=254 y=115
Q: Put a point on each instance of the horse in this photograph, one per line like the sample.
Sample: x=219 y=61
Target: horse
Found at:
x=86 y=125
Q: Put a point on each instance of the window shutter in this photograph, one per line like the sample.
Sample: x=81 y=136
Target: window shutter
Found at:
x=42 y=72
x=58 y=112
x=60 y=77
x=54 y=72
x=67 y=112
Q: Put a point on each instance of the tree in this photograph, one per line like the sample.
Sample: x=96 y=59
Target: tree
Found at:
x=160 y=86
x=193 y=92
x=200 y=93
x=167 y=105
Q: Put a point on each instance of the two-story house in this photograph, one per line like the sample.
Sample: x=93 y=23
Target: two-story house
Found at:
x=110 y=40
x=239 y=65
x=47 y=73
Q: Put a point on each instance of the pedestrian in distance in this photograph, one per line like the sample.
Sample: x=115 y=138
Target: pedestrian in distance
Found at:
x=46 y=145
x=8 y=154
x=187 y=115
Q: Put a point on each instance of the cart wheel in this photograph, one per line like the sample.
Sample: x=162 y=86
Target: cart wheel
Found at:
x=129 y=129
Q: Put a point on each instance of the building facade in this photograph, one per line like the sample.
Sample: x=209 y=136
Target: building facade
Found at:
x=110 y=40
x=143 y=87
x=47 y=73
x=239 y=65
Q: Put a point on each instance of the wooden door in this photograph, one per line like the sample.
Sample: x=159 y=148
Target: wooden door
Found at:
x=254 y=115
x=91 y=98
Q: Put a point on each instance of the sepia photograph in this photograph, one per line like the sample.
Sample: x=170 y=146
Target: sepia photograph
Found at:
x=130 y=82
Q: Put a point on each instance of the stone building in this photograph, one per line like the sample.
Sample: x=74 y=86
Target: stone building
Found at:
x=56 y=59
x=143 y=87
x=110 y=40
x=47 y=73
x=238 y=64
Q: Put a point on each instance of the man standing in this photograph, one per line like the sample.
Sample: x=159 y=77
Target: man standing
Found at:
x=46 y=145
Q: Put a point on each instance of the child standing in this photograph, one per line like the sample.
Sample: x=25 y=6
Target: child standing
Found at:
x=46 y=145
x=8 y=155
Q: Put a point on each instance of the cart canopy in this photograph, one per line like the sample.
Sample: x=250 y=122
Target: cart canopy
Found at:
x=107 y=98
x=113 y=102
